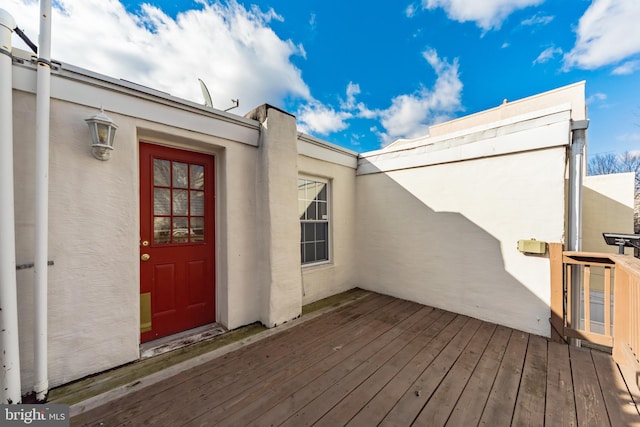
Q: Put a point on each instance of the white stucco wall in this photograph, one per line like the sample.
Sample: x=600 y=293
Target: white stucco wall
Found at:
x=93 y=240
x=445 y=233
x=607 y=207
x=94 y=217
x=338 y=275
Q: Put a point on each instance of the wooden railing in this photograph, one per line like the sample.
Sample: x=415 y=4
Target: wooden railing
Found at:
x=620 y=272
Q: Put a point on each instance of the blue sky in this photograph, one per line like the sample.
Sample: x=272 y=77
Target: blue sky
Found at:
x=364 y=74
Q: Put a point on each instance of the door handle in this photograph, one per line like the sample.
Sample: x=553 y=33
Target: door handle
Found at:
x=145 y=257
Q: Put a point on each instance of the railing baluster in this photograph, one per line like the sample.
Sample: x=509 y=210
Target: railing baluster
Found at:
x=607 y=300
x=568 y=300
x=586 y=286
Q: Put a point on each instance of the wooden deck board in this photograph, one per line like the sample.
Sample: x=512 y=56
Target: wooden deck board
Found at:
x=349 y=396
x=440 y=406
x=560 y=408
x=590 y=404
x=501 y=402
x=302 y=404
x=378 y=407
x=233 y=397
x=530 y=404
x=235 y=367
x=411 y=403
x=613 y=387
x=384 y=360
x=331 y=369
x=474 y=397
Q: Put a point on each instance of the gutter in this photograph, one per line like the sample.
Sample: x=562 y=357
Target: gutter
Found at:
x=10 y=390
x=40 y=298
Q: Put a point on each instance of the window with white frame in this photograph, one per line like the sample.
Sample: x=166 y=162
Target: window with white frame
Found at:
x=313 y=209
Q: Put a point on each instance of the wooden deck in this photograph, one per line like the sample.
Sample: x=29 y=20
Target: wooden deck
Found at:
x=385 y=361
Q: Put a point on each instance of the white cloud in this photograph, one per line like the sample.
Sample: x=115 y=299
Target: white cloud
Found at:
x=538 y=19
x=626 y=137
x=231 y=48
x=547 y=54
x=410 y=11
x=487 y=14
x=317 y=118
x=410 y=115
x=596 y=97
x=608 y=32
x=628 y=67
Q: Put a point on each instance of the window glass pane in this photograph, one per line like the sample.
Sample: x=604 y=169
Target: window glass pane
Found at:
x=180 y=175
x=322 y=192
x=197 y=229
x=197 y=203
x=161 y=230
x=309 y=252
x=321 y=231
x=161 y=174
x=310 y=190
x=180 y=199
x=321 y=251
x=312 y=211
x=308 y=232
x=322 y=210
x=196 y=177
x=161 y=201
x=180 y=230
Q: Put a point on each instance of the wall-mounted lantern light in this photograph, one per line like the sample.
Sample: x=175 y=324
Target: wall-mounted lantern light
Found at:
x=103 y=130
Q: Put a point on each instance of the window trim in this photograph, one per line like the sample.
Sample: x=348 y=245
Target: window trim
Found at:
x=329 y=221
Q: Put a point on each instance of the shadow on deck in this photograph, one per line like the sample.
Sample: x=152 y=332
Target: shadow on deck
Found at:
x=381 y=360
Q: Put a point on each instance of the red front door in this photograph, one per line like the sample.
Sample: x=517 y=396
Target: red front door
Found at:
x=176 y=239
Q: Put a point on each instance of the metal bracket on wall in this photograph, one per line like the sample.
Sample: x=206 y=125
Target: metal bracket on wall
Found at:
x=30 y=265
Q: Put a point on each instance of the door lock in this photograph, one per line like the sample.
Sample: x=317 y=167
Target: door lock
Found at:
x=145 y=257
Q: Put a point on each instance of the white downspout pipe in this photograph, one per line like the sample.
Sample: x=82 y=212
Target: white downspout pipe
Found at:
x=10 y=388
x=576 y=172
x=43 y=101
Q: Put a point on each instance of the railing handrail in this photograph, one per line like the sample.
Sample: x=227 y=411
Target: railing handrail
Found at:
x=625 y=339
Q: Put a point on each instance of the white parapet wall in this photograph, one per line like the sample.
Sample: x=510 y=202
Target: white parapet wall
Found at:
x=607 y=208
x=439 y=219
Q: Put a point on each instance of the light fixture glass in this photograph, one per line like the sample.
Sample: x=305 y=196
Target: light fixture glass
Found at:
x=103 y=130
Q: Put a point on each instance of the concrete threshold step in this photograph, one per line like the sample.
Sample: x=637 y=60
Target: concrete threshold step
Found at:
x=96 y=390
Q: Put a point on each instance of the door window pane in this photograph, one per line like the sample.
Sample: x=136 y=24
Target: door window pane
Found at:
x=196 y=177
x=180 y=175
x=161 y=173
x=180 y=230
x=161 y=201
x=180 y=202
x=197 y=203
x=197 y=229
x=161 y=230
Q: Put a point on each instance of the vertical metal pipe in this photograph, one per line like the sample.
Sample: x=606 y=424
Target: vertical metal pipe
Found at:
x=43 y=101
x=576 y=172
x=10 y=388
